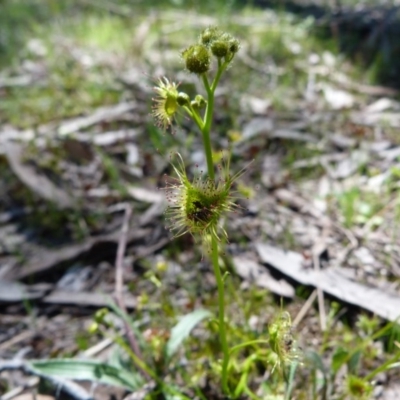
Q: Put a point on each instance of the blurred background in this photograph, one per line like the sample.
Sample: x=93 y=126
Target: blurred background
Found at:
x=62 y=60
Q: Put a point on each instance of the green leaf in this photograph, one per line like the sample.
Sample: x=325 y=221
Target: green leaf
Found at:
x=354 y=362
x=88 y=370
x=182 y=330
x=340 y=357
x=315 y=360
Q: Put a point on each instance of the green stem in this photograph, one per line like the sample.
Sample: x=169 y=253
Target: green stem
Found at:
x=382 y=367
x=193 y=114
x=221 y=313
x=208 y=117
x=246 y=344
x=221 y=69
x=214 y=241
x=207 y=128
x=288 y=394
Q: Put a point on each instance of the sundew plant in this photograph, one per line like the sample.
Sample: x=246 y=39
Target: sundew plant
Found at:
x=197 y=205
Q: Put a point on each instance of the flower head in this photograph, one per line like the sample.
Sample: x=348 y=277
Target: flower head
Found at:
x=222 y=44
x=281 y=340
x=219 y=48
x=166 y=104
x=209 y=35
x=197 y=206
x=197 y=59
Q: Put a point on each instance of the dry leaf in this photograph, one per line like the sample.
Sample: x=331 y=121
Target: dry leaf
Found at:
x=258 y=274
x=338 y=99
x=332 y=281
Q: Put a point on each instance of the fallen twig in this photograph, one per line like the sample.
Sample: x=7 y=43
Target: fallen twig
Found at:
x=32 y=382
x=316 y=253
x=46 y=259
x=119 y=281
x=304 y=310
x=119 y=267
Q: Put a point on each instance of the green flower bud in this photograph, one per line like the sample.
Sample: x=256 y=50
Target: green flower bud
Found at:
x=183 y=99
x=197 y=59
x=234 y=45
x=200 y=101
x=219 y=48
x=209 y=35
x=100 y=315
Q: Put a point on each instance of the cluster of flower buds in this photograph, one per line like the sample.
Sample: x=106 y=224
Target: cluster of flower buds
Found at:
x=214 y=42
x=196 y=206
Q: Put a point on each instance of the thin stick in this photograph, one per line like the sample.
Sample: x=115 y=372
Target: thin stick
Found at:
x=119 y=262
x=97 y=348
x=304 y=310
x=32 y=382
x=320 y=293
x=119 y=282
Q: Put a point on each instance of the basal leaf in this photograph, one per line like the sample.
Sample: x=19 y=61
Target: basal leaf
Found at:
x=182 y=330
x=88 y=370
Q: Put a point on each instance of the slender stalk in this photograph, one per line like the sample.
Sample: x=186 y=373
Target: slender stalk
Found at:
x=203 y=202
x=214 y=241
x=288 y=394
x=385 y=366
x=193 y=114
x=221 y=68
x=221 y=313
x=207 y=127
